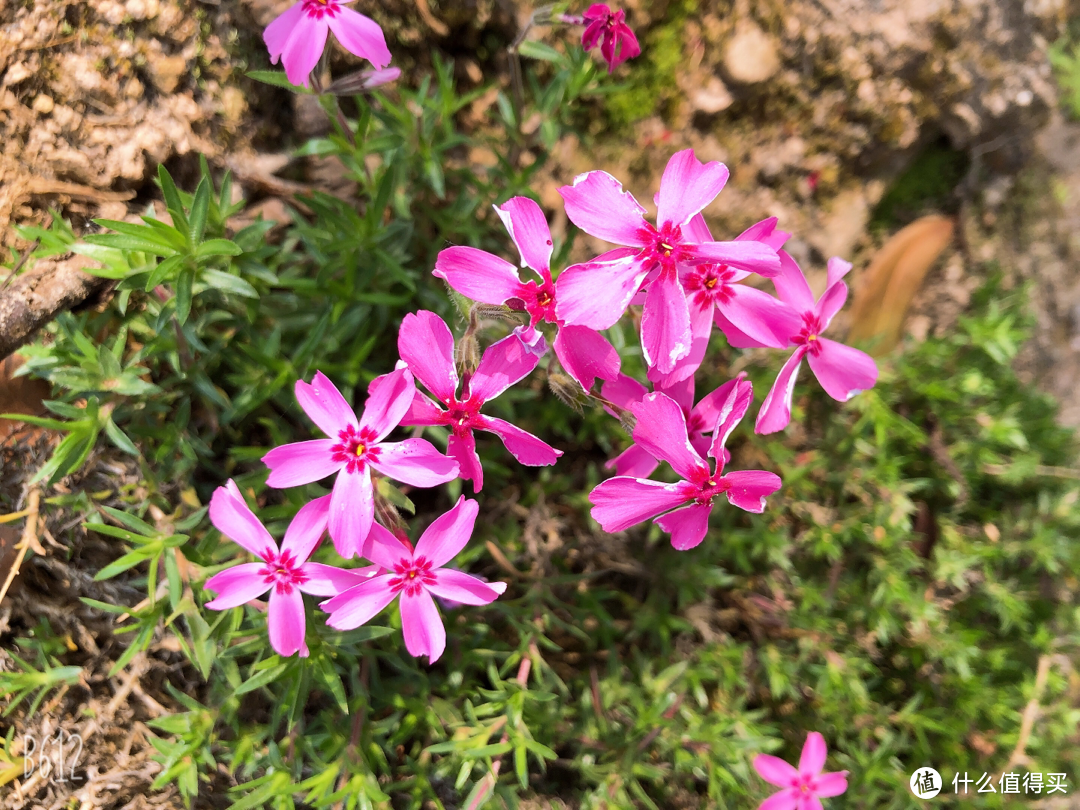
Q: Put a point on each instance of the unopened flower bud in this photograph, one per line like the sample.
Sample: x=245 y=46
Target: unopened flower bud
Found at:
x=467 y=353
x=566 y=389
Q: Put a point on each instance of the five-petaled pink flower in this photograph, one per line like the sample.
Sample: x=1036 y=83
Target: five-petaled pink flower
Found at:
x=609 y=28
x=842 y=371
x=298 y=36
x=626 y=392
x=803 y=788
x=415 y=575
x=354 y=449
x=595 y=294
x=622 y=502
x=285 y=571
x=477 y=274
x=427 y=346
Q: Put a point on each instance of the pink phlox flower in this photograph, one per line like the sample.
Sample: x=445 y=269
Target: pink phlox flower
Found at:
x=842 y=371
x=609 y=28
x=426 y=345
x=596 y=293
x=298 y=37
x=626 y=392
x=356 y=447
x=284 y=571
x=414 y=576
x=714 y=293
x=661 y=431
x=481 y=276
x=805 y=787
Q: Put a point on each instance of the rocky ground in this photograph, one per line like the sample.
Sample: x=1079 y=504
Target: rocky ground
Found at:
x=847 y=119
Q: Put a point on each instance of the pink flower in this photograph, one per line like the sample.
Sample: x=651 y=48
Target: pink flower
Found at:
x=842 y=371
x=803 y=788
x=285 y=572
x=595 y=294
x=626 y=392
x=622 y=502
x=415 y=575
x=477 y=274
x=427 y=346
x=608 y=27
x=298 y=37
x=356 y=448
x=714 y=293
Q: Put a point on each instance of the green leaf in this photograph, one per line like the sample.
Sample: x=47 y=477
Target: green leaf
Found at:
x=120 y=439
x=172 y=200
x=126 y=518
x=534 y=49
x=227 y=282
x=129 y=560
x=200 y=208
x=277 y=79
x=218 y=247
x=184 y=283
x=262 y=679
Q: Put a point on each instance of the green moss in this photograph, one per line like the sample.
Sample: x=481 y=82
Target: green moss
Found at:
x=927 y=185
x=652 y=85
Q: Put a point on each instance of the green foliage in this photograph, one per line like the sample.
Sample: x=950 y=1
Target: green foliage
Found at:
x=896 y=595
x=928 y=184
x=1065 y=58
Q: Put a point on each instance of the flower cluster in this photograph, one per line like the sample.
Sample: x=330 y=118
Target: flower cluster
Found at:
x=685 y=283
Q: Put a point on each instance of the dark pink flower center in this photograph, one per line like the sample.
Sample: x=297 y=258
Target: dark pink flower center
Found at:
x=703 y=485
x=355 y=448
x=282 y=572
x=666 y=248
x=709 y=284
x=538 y=300
x=321 y=8
x=412 y=576
x=462 y=416
x=810 y=333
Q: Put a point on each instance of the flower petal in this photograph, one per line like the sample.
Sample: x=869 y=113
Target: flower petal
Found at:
x=685 y=367
x=596 y=294
x=832 y=302
x=307 y=528
x=415 y=462
x=389 y=398
x=304 y=48
x=586 y=355
x=477 y=274
x=688 y=185
x=767 y=321
x=775 y=411
x=750 y=488
x=384 y=549
x=448 y=533
x=422 y=626
x=325 y=405
x=620 y=503
x=286 y=622
x=277 y=33
x=775 y=771
x=842 y=371
x=597 y=204
x=360 y=603
x=729 y=414
x=292 y=465
x=457 y=586
x=813 y=756
x=765 y=231
x=236 y=586
x=422 y=411
x=633 y=462
x=837 y=269
x=426 y=344
x=831 y=784
x=529 y=229
x=504 y=363
x=756 y=257
x=462 y=448
x=665 y=323
x=687 y=526
x=623 y=390
x=328 y=580
x=707 y=411
x=352 y=511
x=524 y=446
x=791 y=285
x=661 y=432
x=232 y=516
x=361 y=36
x=784 y=800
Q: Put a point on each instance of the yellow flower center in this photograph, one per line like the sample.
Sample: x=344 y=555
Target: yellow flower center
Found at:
x=360 y=448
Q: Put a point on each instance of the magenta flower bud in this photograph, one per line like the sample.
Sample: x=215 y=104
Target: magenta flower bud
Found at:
x=609 y=28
